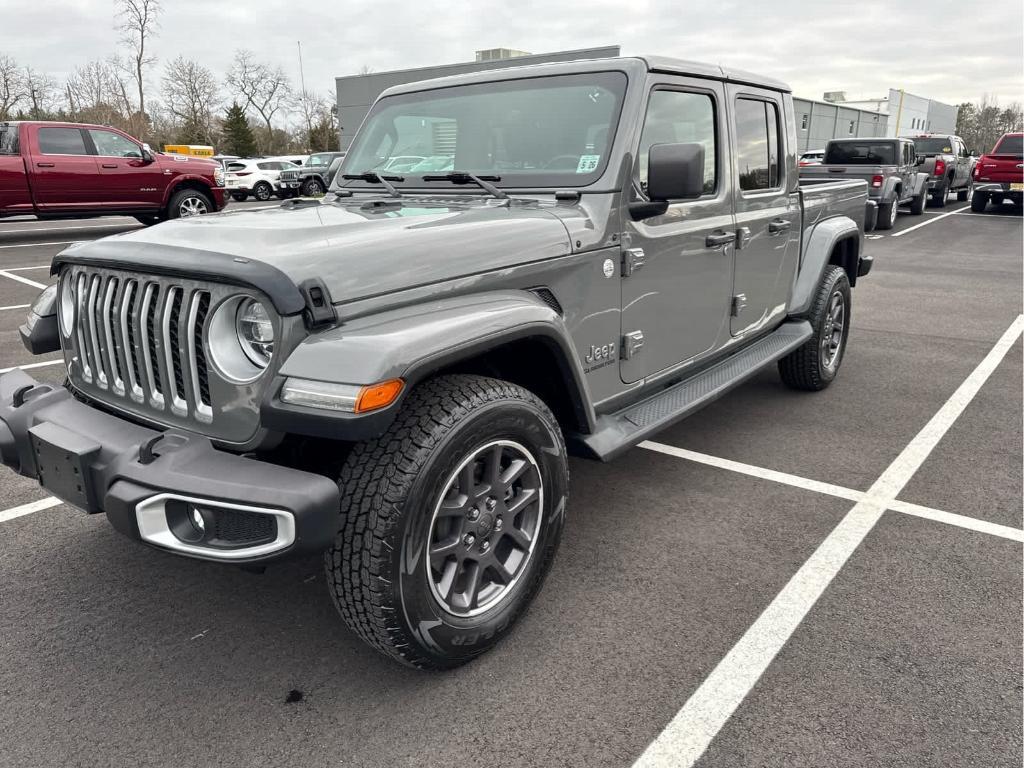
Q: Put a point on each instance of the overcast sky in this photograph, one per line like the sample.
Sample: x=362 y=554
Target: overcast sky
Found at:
x=949 y=51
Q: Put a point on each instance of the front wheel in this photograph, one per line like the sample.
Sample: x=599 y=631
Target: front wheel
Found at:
x=239 y=196
x=188 y=202
x=449 y=521
x=312 y=188
x=814 y=366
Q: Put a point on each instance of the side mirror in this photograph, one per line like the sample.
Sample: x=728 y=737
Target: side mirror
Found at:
x=919 y=160
x=147 y=154
x=674 y=172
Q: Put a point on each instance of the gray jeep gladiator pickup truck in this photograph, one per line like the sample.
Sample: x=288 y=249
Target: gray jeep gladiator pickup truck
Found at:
x=394 y=374
x=949 y=165
x=890 y=166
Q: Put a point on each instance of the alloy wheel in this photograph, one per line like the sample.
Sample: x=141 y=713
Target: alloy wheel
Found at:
x=192 y=206
x=832 y=332
x=485 y=527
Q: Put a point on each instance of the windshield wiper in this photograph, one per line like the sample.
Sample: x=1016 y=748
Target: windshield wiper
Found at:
x=464 y=177
x=375 y=178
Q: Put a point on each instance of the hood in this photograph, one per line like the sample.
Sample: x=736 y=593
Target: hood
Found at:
x=201 y=165
x=359 y=247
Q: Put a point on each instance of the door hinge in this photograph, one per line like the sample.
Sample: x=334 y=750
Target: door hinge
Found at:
x=632 y=342
x=739 y=303
x=632 y=260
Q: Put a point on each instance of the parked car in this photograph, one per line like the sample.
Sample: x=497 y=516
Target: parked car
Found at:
x=259 y=177
x=74 y=170
x=890 y=166
x=812 y=157
x=299 y=160
x=393 y=379
x=312 y=178
x=999 y=174
x=949 y=165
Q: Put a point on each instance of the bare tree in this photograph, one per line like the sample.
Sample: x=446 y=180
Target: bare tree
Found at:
x=39 y=90
x=138 y=22
x=264 y=89
x=12 y=86
x=97 y=91
x=190 y=94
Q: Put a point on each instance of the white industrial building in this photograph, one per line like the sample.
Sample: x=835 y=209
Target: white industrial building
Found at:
x=908 y=114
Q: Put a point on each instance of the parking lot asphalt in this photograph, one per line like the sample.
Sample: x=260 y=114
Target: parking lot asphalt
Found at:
x=114 y=654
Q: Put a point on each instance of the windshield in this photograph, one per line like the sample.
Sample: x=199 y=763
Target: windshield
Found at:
x=854 y=153
x=321 y=160
x=1010 y=145
x=940 y=146
x=538 y=132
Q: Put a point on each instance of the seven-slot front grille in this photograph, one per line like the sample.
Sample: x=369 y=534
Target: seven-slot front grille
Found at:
x=140 y=339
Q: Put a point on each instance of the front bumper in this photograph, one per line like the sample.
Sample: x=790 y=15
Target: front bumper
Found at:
x=144 y=480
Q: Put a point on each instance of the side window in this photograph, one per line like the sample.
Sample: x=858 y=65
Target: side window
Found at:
x=109 y=144
x=267 y=166
x=62 y=141
x=757 y=144
x=9 y=139
x=678 y=117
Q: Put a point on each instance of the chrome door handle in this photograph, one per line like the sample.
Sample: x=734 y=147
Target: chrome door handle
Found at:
x=778 y=225
x=109 y=165
x=718 y=238
x=44 y=165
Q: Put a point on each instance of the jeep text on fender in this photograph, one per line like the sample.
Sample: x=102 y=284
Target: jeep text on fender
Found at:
x=509 y=266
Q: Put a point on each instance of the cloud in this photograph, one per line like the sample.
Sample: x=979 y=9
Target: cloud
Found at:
x=949 y=51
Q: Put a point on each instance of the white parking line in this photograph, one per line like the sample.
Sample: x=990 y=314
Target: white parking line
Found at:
x=28 y=509
x=685 y=738
x=29 y=366
x=20 y=279
x=33 y=245
x=901 y=233
x=25 y=269
x=16 y=306
x=950 y=518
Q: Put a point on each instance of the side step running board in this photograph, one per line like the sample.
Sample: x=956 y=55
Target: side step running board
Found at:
x=617 y=432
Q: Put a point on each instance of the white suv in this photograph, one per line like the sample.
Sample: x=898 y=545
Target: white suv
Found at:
x=257 y=177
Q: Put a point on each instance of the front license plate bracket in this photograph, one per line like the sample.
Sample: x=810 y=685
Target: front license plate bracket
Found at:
x=62 y=460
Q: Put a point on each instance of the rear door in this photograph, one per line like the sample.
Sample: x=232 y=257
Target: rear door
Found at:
x=677 y=267
x=767 y=209
x=126 y=180
x=15 y=195
x=64 y=172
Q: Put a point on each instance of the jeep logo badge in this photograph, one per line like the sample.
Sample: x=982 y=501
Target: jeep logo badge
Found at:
x=608 y=268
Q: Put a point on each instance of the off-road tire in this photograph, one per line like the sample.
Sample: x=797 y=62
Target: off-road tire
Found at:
x=262 y=191
x=174 y=207
x=979 y=202
x=377 y=568
x=918 y=203
x=312 y=188
x=804 y=368
x=886 y=220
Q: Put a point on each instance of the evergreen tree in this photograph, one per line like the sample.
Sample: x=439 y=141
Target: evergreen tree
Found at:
x=238 y=137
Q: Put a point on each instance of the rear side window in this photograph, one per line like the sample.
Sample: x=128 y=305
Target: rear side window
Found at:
x=236 y=166
x=1010 y=145
x=678 y=117
x=9 y=140
x=269 y=166
x=757 y=144
x=855 y=153
x=62 y=141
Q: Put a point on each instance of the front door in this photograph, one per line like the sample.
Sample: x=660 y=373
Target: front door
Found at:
x=767 y=210
x=128 y=180
x=677 y=267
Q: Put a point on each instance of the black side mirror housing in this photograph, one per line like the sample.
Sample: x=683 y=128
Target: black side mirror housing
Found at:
x=674 y=172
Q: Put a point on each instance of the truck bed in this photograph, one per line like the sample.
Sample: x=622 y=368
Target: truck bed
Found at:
x=823 y=198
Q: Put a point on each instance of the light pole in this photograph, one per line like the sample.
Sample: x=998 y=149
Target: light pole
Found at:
x=305 y=106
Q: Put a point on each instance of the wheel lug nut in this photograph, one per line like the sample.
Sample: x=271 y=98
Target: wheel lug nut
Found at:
x=491 y=503
x=485 y=546
x=474 y=513
x=468 y=539
x=498 y=524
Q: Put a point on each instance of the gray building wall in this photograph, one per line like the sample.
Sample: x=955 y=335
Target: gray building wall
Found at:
x=910 y=114
x=356 y=93
x=819 y=121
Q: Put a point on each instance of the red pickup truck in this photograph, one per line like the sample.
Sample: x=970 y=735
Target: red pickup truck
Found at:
x=999 y=175
x=71 y=170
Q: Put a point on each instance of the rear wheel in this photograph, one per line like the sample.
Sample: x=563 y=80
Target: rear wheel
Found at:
x=939 y=195
x=963 y=195
x=148 y=220
x=449 y=521
x=979 y=201
x=887 y=213
x=918 y=203
x=188 y=202
x=262 y=191
x=814 y=366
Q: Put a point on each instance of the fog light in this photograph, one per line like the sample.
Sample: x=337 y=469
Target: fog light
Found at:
x=197 y=521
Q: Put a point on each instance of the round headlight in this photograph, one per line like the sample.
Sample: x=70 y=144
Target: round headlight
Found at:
x=255 y=332
x=67 y=304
